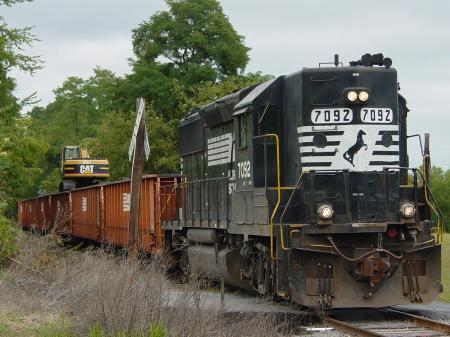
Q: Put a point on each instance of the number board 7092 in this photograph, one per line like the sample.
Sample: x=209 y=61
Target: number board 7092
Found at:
x=332 y=116
x=345 y=115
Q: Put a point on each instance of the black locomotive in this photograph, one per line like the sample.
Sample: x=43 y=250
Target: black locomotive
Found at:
x=299 y=187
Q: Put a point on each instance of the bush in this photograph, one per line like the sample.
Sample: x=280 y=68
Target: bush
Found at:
x=8 y=239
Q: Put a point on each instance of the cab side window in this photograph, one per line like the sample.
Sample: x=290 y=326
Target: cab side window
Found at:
x=242 y=124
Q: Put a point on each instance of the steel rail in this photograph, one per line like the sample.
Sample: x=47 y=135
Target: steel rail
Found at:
x=423 y=321
x=354 y=330
x=349 y=328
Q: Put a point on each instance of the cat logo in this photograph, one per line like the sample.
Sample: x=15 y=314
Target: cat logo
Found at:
x=86 y=169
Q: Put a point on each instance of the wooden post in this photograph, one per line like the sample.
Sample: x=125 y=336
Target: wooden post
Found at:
x=135 y=193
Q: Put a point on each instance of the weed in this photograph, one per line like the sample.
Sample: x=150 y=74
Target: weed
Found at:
x=8 y=237
x=445 y=273
x=104 y=296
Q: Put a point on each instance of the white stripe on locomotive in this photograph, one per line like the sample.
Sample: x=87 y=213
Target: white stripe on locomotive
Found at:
x=375 y=157
x=219 y=149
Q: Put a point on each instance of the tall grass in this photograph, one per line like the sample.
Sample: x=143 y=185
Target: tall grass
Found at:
x=105 y=296
x=445 y=273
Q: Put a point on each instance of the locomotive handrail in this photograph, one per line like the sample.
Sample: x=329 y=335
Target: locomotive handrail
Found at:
x=287 y=205
x=181 y=184
x=426 y=177
x=277 y=145
x=436 y=210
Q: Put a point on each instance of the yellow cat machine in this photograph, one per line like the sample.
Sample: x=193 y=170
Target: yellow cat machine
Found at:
x=80 y=170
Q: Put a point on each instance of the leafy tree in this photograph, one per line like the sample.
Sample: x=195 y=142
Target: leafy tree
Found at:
x=194 y=39
x=101 y=90
x=19 y=151
x=148 y=81
x=182 y=48
x=113 y=141
x=440 y=186
x=22 y=157
x=210 y=91
x=12 y=42
x=78 y=108
x=185 y=58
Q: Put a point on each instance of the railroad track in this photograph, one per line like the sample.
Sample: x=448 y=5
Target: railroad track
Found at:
x=402 y=324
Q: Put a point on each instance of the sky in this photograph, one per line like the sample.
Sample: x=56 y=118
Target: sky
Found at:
x=284 y=36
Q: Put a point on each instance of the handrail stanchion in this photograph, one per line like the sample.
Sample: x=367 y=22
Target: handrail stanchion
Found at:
x=217 y=202
x=277 y=144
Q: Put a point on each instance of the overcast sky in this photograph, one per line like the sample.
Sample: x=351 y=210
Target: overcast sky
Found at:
x=284 y=36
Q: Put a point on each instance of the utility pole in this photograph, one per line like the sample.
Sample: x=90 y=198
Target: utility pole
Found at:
x=139 y=144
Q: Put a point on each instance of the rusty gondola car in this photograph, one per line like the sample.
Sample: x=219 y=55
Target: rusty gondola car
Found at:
x=300 y=187
x=100 y=213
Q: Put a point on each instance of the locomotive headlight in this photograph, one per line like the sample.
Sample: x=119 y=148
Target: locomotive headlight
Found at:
x=407 y=210
x=352 y=96
x=325 y=212
x=363 y=96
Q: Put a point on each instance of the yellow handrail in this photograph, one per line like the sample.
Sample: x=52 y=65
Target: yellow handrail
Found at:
x=426 y=189
x=168 y=199
x=277 y=144
x=281 y=225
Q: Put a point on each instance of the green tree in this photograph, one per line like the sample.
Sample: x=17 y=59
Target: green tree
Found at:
x=210 y=91
x=19 y=151
x=440 y=186
x=182 y=48
x=113 y=141
x=12 y=42
x=78 y=108
x=21 y=161
x=184 y=57
x=195 y=40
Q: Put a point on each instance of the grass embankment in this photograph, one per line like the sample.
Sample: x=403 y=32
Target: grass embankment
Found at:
x=48 y=290
x=13 y=322
x=445 y=275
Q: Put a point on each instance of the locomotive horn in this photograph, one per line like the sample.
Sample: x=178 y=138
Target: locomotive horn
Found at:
x=387 y=62
x=377 y=59
x=366 y=60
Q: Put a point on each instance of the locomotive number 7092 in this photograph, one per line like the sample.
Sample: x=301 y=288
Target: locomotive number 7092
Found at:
x=332 y=116
x=376 y=115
